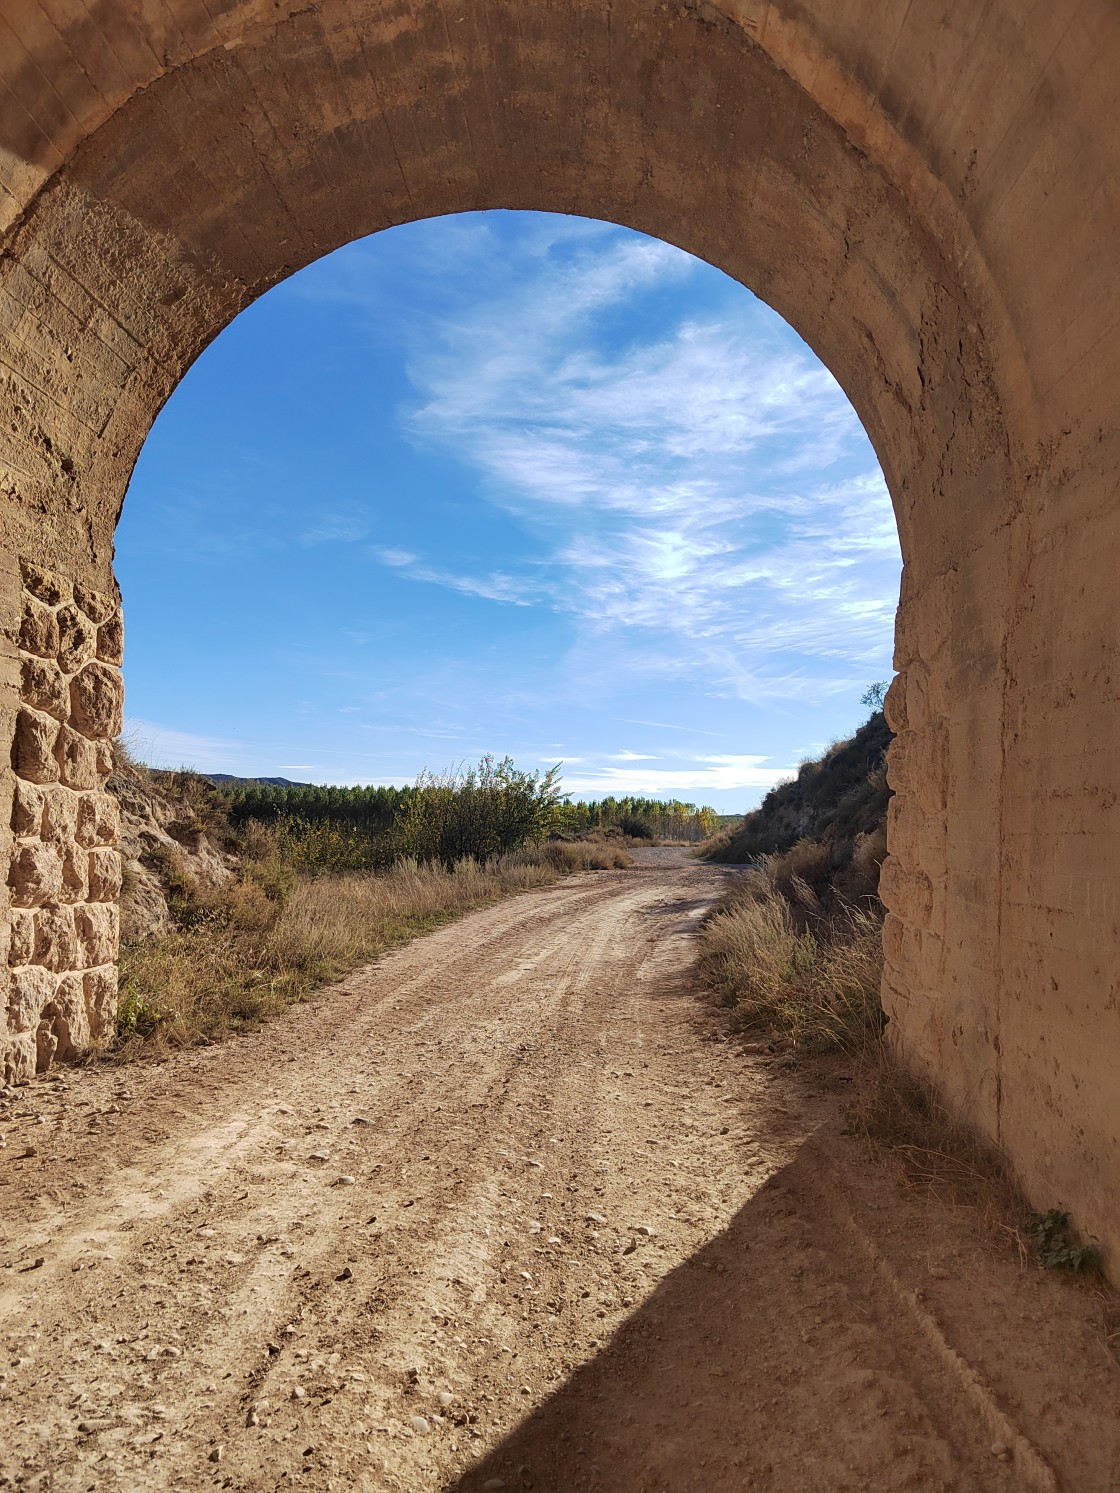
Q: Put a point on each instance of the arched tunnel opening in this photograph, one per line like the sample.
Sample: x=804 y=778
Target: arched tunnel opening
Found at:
x=507 y=457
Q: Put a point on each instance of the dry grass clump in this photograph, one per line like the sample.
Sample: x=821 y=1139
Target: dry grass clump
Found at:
x=787 y=968
x=246 y=952
x=584 y=855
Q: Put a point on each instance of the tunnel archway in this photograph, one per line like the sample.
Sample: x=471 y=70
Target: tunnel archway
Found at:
x=874 y=182
x=506 y=481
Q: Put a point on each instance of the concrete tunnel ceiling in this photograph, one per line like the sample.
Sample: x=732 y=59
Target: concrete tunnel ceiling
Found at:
x=928 y=194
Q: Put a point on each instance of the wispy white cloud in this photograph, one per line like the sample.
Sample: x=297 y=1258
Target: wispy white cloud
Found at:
x=336 y=528
x=700 y=776
x=627 y=720
x=497 y=586
x=708 y=500
x=163 y=746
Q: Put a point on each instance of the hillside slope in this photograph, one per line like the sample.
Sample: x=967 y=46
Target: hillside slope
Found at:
x=175 y=841
x=837 y=801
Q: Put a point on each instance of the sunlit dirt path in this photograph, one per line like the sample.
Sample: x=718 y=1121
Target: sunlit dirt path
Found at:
x=509 y=1209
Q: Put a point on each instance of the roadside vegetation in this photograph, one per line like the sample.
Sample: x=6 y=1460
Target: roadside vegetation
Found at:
x=254 y=895
x=481 y=811
x=795 y=948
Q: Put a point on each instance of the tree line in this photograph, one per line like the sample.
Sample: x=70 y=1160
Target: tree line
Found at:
x=478 y=812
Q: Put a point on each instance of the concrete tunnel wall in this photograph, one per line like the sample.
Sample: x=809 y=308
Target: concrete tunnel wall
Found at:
x=929 y=194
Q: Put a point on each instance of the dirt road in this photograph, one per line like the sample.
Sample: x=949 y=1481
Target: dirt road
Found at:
x=510 y=1210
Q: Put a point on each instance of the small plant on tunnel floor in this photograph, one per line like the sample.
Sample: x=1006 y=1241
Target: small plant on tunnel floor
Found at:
x=1058 y=1249
x=136 y=1015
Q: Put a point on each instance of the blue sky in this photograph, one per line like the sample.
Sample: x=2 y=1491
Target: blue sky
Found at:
x=507 y=482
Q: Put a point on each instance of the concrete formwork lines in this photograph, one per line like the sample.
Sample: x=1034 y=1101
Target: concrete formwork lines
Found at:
x=259 y=129
x=1023 y=125
x=95 y=57
x=474 y=45
x=424 y=66
x=461 y=87
x=212 y=165
x=298 y=110
x=44 y=62
x=343 y=45
x=377 y=94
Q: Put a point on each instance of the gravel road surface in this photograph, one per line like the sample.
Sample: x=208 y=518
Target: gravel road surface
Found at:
x=511 y=1209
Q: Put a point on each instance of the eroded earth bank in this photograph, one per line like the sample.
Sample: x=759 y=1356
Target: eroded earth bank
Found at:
x=512 y=1209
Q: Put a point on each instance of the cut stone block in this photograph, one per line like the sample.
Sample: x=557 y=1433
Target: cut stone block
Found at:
x=32 y=988
x=77 y=639
x=19 y=1058
x=35 y=876
x=97 y=606
x=27 y=808
x=100 y=986
x=60 y=814
x=71 y=1023
x=98 y=928
x=104 y=876
x=56 y=942
x=21 y=945
x=99 y=820
x=97 y=701
x=110 y=641
x=78 y=765
x=33 y=750
x=45 y=585
x=43 y=686
x=75 y=873
x=46 y=1044
x=38 y=631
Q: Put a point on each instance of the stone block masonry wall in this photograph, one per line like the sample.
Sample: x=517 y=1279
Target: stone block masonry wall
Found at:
x=65 y=875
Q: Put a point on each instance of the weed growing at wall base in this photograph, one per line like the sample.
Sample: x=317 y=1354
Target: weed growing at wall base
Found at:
x=1057 y=1247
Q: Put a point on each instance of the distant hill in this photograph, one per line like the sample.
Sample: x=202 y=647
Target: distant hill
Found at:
x=230 y=777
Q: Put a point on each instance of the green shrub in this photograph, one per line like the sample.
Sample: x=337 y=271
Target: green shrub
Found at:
x=1058 y=1249
x=136 y=1015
